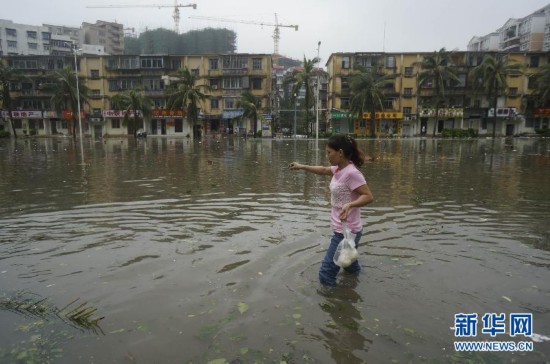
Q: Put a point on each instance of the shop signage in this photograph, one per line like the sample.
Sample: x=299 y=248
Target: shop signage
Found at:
x=23 y=114
x=164 y=114
x=384 y=115
x=452 y=112
x=119 y=113
x=502 y=112
x=542 y=112
x=342 y=115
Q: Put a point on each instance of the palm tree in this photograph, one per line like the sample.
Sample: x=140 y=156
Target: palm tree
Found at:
x=305 y=78
x=65 y=94
x=368 y=86
x=135 y=102
x=7 y=75
x=542 y=85
x=490 y=76
x=184 y=94
x=251 y=106
x=438 y=70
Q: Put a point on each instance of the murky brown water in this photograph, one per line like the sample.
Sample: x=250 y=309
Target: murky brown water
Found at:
x=201 y=251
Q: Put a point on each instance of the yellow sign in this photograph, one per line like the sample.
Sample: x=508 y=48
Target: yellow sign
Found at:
x=384 y=115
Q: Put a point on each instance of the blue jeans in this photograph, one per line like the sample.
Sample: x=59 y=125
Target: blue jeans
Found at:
x=329 y=270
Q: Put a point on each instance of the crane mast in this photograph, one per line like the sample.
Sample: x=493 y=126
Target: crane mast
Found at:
x=175 y=15
x=276 y=31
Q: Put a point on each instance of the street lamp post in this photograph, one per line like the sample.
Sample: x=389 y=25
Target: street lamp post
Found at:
x=295 y=102
x=317 y=100
x=75 y=50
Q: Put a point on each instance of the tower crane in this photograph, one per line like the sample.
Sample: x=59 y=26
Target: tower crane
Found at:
x=175 y=16
x=276 y=31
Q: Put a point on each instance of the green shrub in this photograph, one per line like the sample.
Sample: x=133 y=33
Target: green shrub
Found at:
x=543 y=132
x=4 y=134
x=459 y=133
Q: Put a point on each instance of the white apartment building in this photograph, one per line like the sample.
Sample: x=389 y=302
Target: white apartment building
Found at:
x=528 y=34
x=95 y=39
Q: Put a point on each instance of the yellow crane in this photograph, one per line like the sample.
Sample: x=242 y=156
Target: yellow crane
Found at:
x=175 y=16
x=276 y=31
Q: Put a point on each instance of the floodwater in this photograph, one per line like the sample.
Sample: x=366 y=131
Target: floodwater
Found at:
x=208 y=252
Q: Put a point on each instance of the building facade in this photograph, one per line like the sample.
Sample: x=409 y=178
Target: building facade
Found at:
x=95 y=39
x=528 y=34
x=408 y=110
x=227 y=77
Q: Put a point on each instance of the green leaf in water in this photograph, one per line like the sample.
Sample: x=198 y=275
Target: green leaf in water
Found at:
x=243 y=351
x=296 y=316
x=243 y=307
x=144 y=328
x=218 y=361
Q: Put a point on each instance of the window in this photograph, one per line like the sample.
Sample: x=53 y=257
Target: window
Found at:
x=513 y=91
x=388 y=104
x=234 y=62
x=96 y=93
x=214 y=104
x=534 y=61
x=256 y=83
x=94 y=74
x=390 y=62
x=344 y=102
x=151 y=63
x=33 y=46
x=345 y=62
x=31 y=34
x=96 y=112
x=46 y=36
x=11 y=32
x=214 y=84
x=195 y=72
x=345 y=83
x=407 y=111
x=407 y=92
x=12 y=44
x=115 y=123
x=232 y=83
x=531 y=82
x=213 y=64
x=230 y=103
x=408 y=71
x=256 y=63
x=153 y=84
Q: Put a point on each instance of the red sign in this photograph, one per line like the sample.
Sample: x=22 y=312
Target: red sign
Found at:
x=68 y=115
x=26 y=114
x=542 y=112
x=164 y=113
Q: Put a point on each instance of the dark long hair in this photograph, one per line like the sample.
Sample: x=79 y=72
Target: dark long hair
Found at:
x=349 y=148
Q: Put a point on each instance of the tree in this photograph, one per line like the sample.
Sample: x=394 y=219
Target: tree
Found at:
x=134 y=102
x=490 y=77
x=7 y=75
x=65 y=94
x=251 y=106
x=542 y=85
x=306 y=78
x=185 y=94
x=438 y=72
x=368 y=86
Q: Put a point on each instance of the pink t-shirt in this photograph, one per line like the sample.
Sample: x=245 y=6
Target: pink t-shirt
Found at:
x=342 y=186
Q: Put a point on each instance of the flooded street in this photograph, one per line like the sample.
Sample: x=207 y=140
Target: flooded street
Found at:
x=194 y=252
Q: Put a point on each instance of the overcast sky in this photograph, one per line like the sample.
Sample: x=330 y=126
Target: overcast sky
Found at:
x=340 y=25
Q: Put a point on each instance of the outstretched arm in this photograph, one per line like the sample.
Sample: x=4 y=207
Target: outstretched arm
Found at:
x=321 y=170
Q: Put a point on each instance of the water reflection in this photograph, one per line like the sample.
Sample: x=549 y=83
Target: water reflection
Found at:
x=211 y=250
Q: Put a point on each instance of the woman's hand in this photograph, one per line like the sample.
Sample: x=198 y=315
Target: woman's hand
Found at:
x=344 y=213
x=295 y=166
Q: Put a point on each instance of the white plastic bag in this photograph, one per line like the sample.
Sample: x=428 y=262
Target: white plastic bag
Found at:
x=346 y=253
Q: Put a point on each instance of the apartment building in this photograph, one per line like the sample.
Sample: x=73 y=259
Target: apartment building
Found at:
x=528 y=34
x=48 y=39
x=409 y=111
x=227 y=76
x=107 y=34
